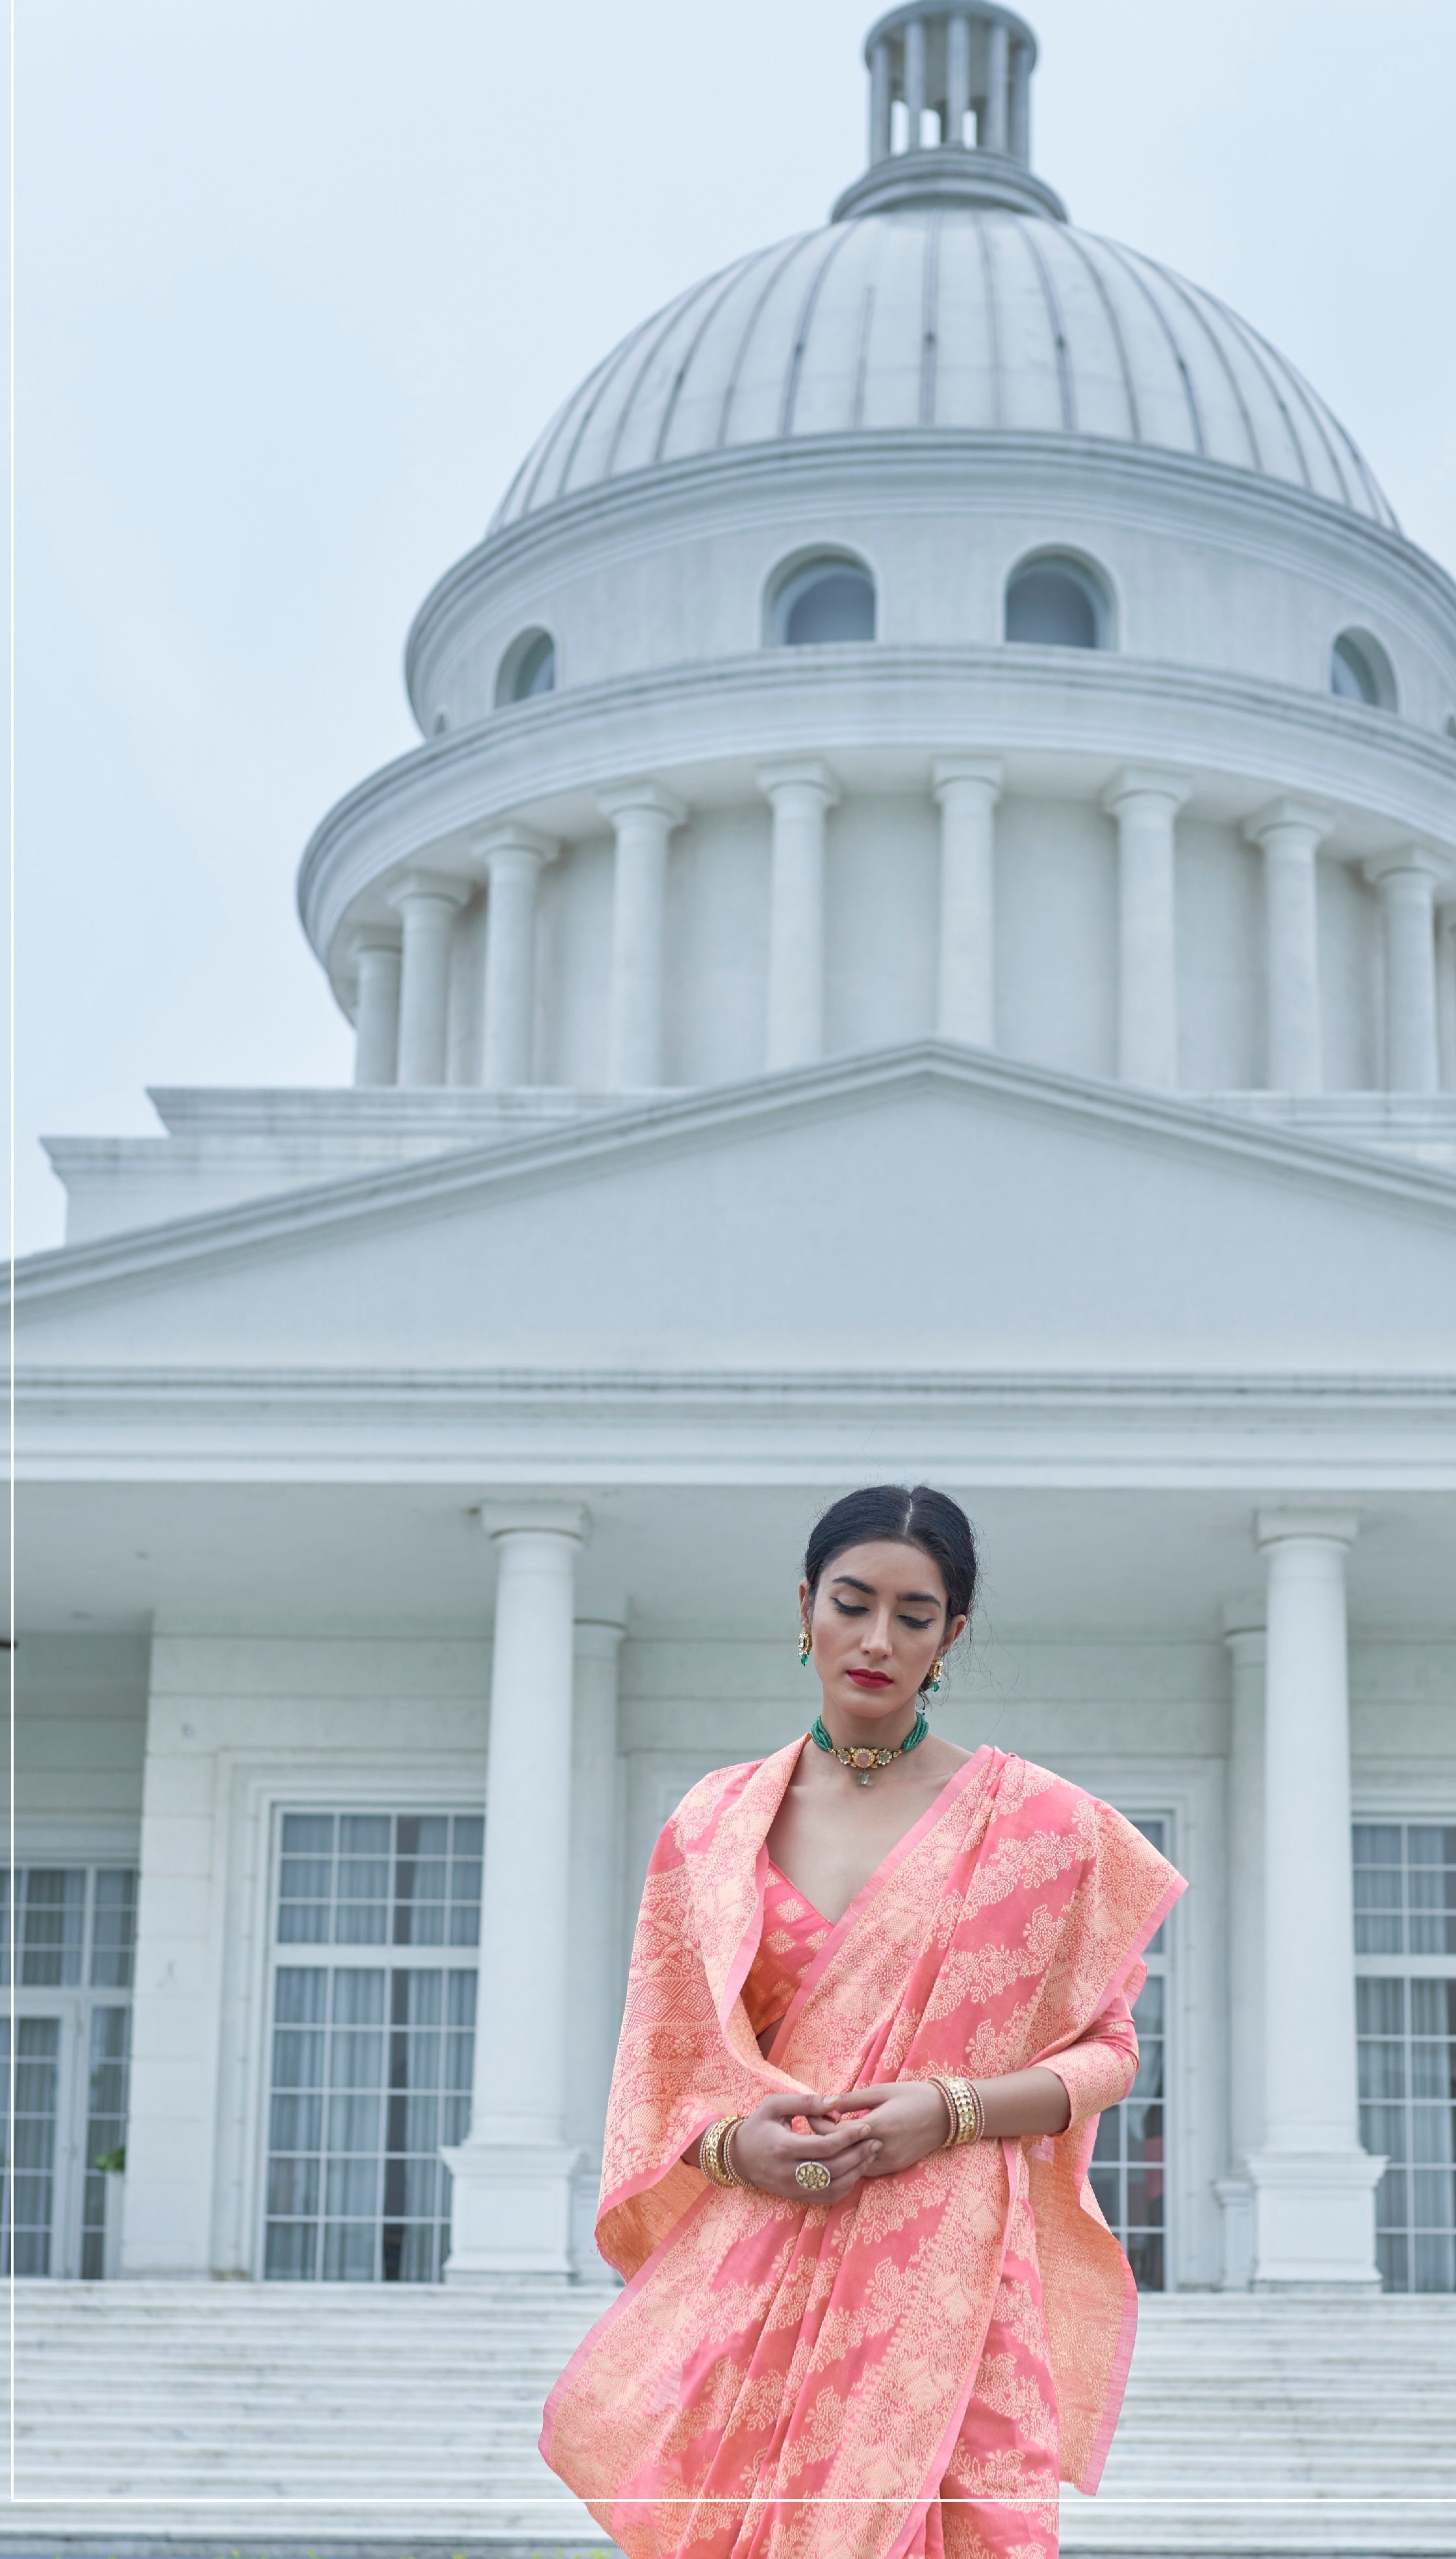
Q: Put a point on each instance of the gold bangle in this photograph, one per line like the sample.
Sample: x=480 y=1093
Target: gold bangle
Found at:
x=712 y=2155
x=968 y=2114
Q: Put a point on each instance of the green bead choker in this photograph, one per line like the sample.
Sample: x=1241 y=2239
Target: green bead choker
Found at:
x=864 y=1762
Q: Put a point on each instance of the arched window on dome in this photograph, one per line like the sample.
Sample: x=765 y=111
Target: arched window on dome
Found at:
x=1360 y=671
x=819 y=601
x=528 y=668
x=1056 y=601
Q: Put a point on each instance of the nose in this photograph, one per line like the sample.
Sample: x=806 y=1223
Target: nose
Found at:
x=877 y=1634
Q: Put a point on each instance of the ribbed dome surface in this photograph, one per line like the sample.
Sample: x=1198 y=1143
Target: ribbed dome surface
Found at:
x=956 y=317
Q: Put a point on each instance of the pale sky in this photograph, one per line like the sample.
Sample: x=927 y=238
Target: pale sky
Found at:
x=297 y=283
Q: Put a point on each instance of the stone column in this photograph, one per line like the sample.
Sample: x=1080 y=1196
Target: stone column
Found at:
x=427 y=904
x=881 y=99
x=967 y=788
x=645 y=816
x=915 y=79
x=992 y=136
x=513 y=2174
x=1244 y=1634
x=1018 y=135
x=957 y=77
x=1407 y=882
x=595 y=2010
x=1446 y=994
x=513 y=858
x=1290 y=836
x=376 y=1007
x=1314 y=2186
x=1145 y=804
x=800 y=794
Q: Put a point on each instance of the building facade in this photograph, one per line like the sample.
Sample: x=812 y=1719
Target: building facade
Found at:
x=916 y=943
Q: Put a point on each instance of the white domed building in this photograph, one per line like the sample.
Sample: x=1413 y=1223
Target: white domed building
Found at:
x=916 y=942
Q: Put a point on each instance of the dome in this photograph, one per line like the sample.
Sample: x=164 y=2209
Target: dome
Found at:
x=969 y=317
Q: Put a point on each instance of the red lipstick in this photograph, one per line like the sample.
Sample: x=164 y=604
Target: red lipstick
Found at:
x=871 y=1678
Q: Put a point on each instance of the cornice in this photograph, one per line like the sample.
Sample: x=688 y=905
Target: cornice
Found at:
x=892 y=464
x=933 y=699
x=688 y=1122
x=1265 y=1438
x=1424 y=1393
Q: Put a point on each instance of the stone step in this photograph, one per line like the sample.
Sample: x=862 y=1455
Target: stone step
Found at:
x=230 y=2418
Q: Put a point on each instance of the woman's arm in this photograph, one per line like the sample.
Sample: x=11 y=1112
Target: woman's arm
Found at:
x=876 y=2132
x=1099 y=2072
x=909 y=2119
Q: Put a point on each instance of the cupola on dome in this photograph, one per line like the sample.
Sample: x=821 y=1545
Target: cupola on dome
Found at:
x=948 y=293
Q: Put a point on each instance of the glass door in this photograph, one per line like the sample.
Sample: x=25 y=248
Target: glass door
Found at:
x=66 y=1961
x=1406 y=2019
x=372 y=2042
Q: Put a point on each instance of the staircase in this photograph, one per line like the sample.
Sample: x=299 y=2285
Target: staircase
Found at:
x=275 y=2422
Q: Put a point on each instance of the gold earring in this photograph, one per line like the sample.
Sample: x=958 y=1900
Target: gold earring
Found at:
x=804 y=1649
x=937 y=1667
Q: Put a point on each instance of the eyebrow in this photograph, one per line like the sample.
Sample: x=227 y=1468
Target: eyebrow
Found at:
x=926 y=1599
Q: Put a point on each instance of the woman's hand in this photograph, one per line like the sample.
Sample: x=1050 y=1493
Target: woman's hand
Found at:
x=766 y=2150
x=905 y=2120
x=910 y=2118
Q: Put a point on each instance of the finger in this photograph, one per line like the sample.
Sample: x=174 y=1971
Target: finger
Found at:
x=864 y=2100
x=844 y=2184
x=828 y=2146
x=844 y=2172
x=853 y=2165
x=785 y=2103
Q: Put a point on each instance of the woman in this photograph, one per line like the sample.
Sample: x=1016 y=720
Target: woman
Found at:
x=880 y=1992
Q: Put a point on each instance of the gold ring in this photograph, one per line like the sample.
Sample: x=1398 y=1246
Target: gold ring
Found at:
x=812 y=2175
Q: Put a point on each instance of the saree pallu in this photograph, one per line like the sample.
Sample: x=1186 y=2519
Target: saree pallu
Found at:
x=907 y=2371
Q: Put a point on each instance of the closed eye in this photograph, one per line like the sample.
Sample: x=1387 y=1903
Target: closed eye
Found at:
x=848 y=1609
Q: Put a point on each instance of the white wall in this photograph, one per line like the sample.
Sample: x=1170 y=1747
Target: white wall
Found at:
x=81 y=1721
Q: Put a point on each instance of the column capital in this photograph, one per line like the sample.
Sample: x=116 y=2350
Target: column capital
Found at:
x=496 y=843
x=371 y=937
x=533 y=1518
x=1435 y=867
x=1305 y=1520
x=620 y=796
x=442 y=888
x=1317 y=823
x=985 y=770
x=1146 y=782
x=808 y=772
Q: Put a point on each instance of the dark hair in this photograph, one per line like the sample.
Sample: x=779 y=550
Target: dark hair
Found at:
x=919 y=1516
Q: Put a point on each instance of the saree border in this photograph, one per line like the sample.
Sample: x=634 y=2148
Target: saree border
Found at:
x=610 y=2315
x=1121 y=2362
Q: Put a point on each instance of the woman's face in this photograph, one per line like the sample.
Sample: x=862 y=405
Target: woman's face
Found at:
x=878 y=1622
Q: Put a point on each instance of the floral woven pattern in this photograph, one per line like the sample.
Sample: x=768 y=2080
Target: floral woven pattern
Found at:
x=907 y=2371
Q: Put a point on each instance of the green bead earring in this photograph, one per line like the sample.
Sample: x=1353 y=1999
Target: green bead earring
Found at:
x=935 y=1676
x=804 y=1649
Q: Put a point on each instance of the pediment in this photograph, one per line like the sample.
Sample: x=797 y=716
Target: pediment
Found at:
x=926 y=1207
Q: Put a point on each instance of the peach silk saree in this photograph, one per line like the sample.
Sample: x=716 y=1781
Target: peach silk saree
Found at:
x=906 y=2372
